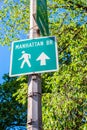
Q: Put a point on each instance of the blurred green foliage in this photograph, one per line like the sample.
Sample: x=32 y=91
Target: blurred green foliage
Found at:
x=64 y=93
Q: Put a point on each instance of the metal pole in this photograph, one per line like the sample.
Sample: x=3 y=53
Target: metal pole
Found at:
x=34 y=115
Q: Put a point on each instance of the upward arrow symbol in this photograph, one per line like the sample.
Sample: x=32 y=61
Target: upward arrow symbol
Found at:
x=43 y=57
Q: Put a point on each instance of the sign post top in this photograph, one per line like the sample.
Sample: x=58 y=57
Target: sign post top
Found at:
x=42 y=17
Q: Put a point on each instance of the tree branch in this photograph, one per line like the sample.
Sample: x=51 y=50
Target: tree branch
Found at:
x=78 y=5
x=70 y=2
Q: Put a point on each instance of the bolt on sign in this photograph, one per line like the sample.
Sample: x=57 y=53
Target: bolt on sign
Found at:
x=32 y=56
x=42 y=17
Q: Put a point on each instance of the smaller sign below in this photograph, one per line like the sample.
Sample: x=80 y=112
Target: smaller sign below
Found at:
x=32 y=56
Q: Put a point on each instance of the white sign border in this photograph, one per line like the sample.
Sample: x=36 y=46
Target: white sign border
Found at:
x=37 y=72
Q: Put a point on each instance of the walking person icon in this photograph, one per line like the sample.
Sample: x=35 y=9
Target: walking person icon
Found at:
x=25 y=56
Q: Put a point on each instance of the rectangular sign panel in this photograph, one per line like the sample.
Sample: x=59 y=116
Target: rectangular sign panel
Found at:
x=32 y=56
x=41 y=17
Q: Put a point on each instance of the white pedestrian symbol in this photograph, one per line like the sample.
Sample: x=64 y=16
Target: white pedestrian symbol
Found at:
x=43 y=57
x=25 y=56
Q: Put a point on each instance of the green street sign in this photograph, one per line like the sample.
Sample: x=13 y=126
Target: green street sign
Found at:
x=32 y=56
x=41 y=17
